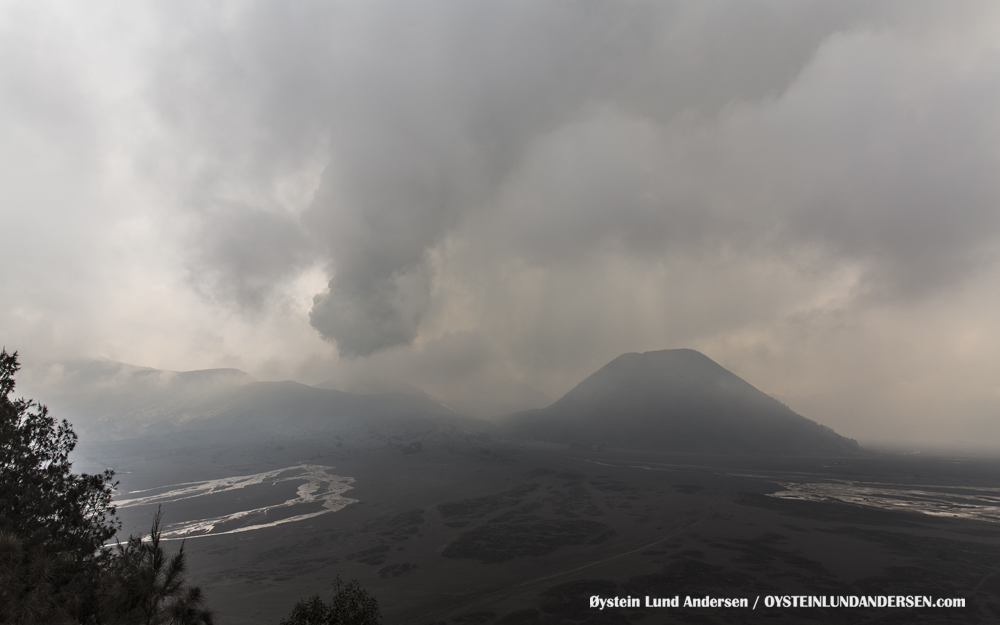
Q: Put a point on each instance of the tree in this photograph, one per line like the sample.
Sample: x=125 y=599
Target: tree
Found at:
x=54 y=567
x=351 y=605
x=29 y=589
x=41 y=499
x=143 y=586
x=53 y=523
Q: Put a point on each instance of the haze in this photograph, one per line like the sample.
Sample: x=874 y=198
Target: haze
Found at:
x=490 y=201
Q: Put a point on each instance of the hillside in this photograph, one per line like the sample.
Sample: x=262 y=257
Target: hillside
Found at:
x=111 y=400
x=678 y=400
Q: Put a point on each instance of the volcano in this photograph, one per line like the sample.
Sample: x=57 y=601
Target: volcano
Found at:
x=675 y=400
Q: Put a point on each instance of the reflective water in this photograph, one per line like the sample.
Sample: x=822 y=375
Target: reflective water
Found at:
x=967 y=502
x=982 y=504
x=247 y=500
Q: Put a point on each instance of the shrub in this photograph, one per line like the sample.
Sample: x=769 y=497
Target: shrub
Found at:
x=351 y=605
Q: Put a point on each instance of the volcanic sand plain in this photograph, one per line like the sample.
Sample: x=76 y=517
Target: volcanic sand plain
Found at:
x=478 y=531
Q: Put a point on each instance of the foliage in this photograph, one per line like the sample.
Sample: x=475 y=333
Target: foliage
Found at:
x=53 y=523
x=30 y=593
x=143 y=585
x=351 y=605
x=41 y=499
x=54 y=567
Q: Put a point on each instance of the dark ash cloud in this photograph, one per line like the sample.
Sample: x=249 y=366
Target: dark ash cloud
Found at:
x=445 y=100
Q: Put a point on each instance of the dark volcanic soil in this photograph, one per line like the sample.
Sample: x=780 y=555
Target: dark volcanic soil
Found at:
x=457 y=534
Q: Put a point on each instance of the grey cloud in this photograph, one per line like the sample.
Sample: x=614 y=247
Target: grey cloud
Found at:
x=451 y=96
x=896 y=168
x=371 y=312
x=472 y=196
x=437 y=119
x=865 y=156
x=242 y=253
x=428 y=111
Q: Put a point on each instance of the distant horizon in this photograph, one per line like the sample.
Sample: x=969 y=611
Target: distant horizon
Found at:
x=929 y=448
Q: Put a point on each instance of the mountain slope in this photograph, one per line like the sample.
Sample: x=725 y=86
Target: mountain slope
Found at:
x=112 y=400
x=677 y=400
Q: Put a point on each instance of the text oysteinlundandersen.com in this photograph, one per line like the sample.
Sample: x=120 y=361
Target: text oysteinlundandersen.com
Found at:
x=780 y=601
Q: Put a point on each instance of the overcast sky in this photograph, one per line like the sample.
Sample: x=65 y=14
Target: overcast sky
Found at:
x=492 y=200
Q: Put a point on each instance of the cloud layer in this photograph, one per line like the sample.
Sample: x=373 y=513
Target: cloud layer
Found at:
x=491 y=201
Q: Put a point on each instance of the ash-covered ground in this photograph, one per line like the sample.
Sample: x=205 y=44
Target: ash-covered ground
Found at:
x=472 y=530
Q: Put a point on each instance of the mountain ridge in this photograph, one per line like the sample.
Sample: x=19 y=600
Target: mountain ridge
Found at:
x=113 y=400
x=677 y=400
